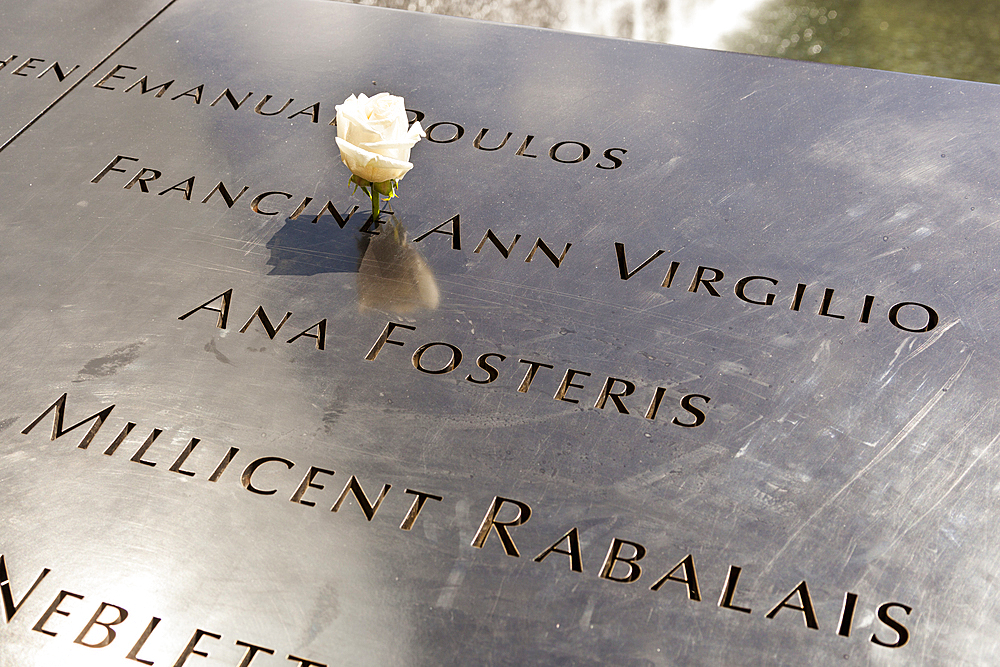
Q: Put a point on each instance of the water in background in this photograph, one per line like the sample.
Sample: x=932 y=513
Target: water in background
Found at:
x=952 y=38
x=959 y=39
x=701 y=23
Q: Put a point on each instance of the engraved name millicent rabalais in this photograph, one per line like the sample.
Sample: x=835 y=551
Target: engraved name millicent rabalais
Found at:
x=85 y=619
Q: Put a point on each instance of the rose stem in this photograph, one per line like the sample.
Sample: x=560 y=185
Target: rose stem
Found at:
x=375 y=204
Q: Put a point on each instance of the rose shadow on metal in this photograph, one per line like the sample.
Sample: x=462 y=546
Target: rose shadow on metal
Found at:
x=392 y=274
x=303 y=248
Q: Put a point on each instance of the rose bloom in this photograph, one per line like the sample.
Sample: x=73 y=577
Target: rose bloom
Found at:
x=374 y=138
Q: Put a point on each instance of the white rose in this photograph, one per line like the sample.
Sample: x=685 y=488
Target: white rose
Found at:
x=373 y=137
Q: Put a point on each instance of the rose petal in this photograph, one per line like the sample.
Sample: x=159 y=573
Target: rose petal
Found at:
x=371 y=166
x=415 y=132
x=399 y=150
x=375 y=136
x=355 y=127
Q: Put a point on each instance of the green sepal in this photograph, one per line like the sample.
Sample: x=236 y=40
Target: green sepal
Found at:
x=386 y=188
x=360 y=183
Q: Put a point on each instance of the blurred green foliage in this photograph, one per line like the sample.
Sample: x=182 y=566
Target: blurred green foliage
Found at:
x=959 y=39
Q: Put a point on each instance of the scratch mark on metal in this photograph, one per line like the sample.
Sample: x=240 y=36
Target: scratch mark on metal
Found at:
x=899 y=351
x=878 y=458
x=954 y=484
x=933 y=339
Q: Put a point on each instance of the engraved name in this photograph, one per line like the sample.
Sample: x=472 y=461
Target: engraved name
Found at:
x=29 y=67
x=442 y=358
x=620 y=564
x=756 y=290
x=109 y=620
x=125 y=79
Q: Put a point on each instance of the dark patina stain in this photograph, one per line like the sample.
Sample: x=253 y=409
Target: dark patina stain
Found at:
x=109 y=364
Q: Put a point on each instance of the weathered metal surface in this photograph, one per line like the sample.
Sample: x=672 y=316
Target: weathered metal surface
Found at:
x=822 y=438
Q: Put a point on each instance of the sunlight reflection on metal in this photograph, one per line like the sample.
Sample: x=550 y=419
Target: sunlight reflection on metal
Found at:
x=393 y=275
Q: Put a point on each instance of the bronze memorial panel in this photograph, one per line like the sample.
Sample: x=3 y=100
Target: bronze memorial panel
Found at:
x=663 y=356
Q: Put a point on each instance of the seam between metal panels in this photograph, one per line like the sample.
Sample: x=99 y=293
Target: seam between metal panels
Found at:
x=84 y=77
